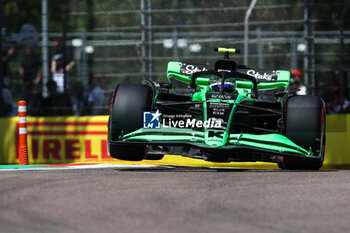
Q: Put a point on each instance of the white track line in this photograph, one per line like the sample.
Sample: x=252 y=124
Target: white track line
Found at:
x=91 y=166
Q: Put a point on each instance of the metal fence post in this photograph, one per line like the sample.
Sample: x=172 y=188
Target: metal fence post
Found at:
x=84 y=71
x=1 y=68
x=246 y=21
x=64 y=38
x=45 y=44
x=175 y=35
x=309 y=60
x=1 y=54
x=259 y=48
x=143 y=39
x=149 y=39
x=341 y=54
x=294 y=54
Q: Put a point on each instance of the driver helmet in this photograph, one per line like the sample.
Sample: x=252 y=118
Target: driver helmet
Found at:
x=229 y=86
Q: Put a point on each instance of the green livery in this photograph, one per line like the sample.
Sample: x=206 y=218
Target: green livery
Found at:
x=227 y=112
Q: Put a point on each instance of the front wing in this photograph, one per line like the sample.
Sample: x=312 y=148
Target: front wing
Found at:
x=237 y=144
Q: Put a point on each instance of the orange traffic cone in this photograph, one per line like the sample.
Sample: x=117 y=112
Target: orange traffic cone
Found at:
x=23 y=148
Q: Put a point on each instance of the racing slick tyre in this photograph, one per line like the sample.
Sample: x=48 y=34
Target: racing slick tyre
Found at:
x=128 y=103
x=151 y=156
x=154 y=153
x=304 y=118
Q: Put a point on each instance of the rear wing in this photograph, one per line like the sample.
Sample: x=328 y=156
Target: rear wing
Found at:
x=267 y=79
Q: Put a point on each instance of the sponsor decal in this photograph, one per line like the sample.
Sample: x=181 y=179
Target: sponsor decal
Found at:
x=191 y=123
x=191 y=68
x=156 y=120
x=226 y=96
x=219 y=109
x=63 y=140
x=261 y=75
x=220 y=112
x=67 y=149
x=151 y=120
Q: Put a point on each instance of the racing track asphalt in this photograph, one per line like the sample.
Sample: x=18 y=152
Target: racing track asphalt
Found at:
x=175 y=200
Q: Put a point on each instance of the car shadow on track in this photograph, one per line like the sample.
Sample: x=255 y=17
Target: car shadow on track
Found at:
x=210 y=169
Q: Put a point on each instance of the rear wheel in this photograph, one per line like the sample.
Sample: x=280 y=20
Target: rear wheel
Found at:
x=128 y=103
x=304 y=119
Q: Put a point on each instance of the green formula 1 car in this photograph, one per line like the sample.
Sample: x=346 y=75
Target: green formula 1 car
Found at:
x=223 y=113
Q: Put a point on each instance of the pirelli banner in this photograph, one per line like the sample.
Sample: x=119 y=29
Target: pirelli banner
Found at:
x=84 y=140
x=57 y=139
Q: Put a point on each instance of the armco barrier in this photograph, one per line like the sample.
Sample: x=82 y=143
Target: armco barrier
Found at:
x=84 y=140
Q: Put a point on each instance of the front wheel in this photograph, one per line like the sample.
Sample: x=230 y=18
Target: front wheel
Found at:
x=128 y=103
x=304 y=118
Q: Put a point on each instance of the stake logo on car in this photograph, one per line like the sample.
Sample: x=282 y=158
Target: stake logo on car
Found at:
x=263 y=76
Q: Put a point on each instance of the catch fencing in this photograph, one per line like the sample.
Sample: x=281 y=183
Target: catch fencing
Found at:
x=117 y=41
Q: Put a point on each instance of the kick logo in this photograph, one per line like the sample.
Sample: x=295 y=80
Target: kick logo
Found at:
x=151 y=120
